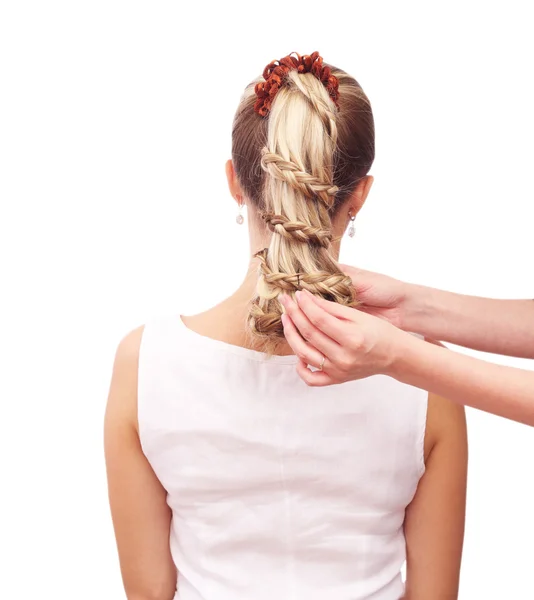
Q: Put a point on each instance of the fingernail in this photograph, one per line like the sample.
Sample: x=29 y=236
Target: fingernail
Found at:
x=283 y=299
x=297 y=295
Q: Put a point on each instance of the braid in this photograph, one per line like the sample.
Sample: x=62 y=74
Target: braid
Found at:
x=295 y=176
x=298 y=230
x=337 y=286
x=265 y=312
x=298 y=198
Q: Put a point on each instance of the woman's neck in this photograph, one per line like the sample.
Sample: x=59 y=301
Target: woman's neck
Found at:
x=227 y=321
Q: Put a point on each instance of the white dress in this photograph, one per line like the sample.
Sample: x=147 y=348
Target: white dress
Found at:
x=278 y=491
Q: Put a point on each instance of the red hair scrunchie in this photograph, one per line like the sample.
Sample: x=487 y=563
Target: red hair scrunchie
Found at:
x=275 y=74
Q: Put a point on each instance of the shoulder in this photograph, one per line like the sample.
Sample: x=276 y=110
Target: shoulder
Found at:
x=127 y=352
x=122 y=397
x=446 y=422
x=445 y=419
x=127 y=356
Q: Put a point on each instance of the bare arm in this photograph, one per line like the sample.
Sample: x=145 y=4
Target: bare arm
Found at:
x=356 y=345
x=496 y=326
x=434 y=523
x=504 y=391
x=141 y=516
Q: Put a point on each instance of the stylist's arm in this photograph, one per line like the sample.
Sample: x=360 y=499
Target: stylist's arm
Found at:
x=349 y=344
x=486 y=324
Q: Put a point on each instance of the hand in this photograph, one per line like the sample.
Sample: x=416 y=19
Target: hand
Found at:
x=345 y=342
x=380 y=295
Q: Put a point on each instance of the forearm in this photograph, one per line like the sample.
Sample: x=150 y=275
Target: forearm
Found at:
x=144 y=596
x=496 y=326
x=504 y=391
x=149 y=597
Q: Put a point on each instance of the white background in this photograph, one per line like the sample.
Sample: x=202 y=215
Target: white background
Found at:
x=115 y=123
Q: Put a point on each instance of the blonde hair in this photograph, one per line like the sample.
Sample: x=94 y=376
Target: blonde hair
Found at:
x=297 y=166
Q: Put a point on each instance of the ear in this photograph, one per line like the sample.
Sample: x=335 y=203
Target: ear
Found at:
x=359 y=196
x=233 y=183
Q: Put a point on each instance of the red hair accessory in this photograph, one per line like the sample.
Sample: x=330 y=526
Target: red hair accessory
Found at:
x=276 y=71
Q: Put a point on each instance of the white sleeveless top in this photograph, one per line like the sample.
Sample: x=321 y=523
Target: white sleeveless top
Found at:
x=278 y=490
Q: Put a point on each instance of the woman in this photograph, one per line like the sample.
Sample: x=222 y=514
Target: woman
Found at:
x=229 y=478
x=351 y=344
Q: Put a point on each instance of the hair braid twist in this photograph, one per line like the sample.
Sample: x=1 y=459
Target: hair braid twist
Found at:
x=296 y=176
x=302 y=139
x=297 y=230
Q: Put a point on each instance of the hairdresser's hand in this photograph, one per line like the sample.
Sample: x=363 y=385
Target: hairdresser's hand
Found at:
x=353 y=344
x=380 y=295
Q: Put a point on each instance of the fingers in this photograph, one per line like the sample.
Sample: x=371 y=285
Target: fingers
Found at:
x=306 y=353
x=350 y=270
x=332 y=308
x=354 y=273
x=313 y=378
x=310 y=333
x=326 y=322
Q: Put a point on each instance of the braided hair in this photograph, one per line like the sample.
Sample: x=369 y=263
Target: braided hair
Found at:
x=301 y=142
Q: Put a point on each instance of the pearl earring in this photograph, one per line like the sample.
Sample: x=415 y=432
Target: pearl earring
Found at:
x=239 y=218
x=352 y=230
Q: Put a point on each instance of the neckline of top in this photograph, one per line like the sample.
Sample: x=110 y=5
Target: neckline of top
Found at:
x=289 y=359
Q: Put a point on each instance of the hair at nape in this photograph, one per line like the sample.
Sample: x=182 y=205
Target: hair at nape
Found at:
x=302 y=139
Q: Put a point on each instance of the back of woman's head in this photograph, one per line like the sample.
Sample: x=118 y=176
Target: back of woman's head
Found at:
x=302 y=140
